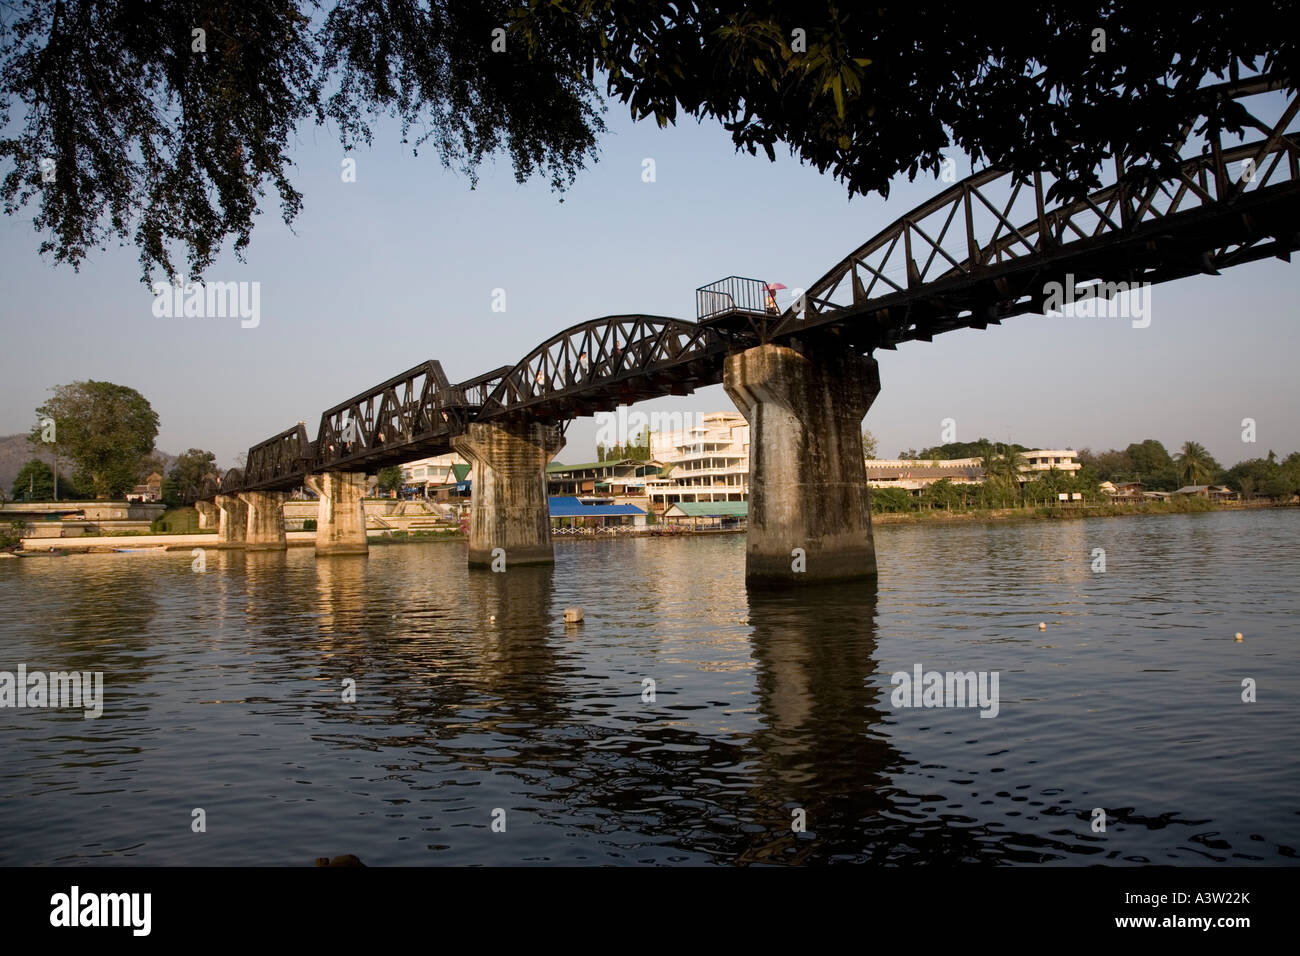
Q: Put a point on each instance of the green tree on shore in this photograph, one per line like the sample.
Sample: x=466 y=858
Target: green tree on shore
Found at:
x=637 y=447
x=942 y=494
x=1112 y=465
x=34 y=482
x=191 y=468
x=1152 y=465
x=1002 y=471
x=104 y=430
x=37 y=479
x=982 y=448
x=390 y=478
x=1195 y=465
x=890 y=500
x=1265 y=477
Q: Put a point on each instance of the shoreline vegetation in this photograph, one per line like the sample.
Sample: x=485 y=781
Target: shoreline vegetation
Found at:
x=1172 y=506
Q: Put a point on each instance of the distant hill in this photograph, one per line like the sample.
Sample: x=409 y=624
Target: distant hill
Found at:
x=15 y=451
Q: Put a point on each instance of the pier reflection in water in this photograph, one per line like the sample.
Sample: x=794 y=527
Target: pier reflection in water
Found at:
x=229 y=690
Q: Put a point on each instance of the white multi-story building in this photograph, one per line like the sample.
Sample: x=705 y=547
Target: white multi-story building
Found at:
x=1045 y=459
x=706 y=462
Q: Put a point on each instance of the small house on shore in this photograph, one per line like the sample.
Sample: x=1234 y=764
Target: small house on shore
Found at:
x=575 y=513
x=151 y=490
x=709 y=515
x=1212 y=492
x=1123 y=490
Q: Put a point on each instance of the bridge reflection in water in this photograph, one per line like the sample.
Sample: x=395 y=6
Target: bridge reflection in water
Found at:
x=224 y=690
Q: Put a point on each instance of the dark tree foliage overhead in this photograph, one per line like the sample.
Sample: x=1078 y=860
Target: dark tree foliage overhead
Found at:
x=150 y=141
x=161 y=145
x=158 y=143
x=876 y=91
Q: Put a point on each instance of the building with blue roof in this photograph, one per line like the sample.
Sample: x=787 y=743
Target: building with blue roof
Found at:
x=573 y=512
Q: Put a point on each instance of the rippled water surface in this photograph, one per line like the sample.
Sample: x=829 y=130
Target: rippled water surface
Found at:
x=224 y=692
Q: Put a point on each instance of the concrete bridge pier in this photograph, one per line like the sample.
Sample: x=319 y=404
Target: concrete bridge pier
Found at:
x=809 y=517
x=232 y=527
x=341 y=524
x=265 y=520
x=510 y=510
x=209 y=518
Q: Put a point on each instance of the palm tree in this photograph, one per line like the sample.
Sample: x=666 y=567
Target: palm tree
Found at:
x=1195 y=464
x=1002 y=470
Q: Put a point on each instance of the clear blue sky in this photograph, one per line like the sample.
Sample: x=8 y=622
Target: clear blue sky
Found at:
x=381 y=274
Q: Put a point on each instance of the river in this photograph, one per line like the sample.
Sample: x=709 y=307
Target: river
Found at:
x=485 y=730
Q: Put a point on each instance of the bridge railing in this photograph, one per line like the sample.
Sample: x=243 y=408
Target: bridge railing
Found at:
x=474 y=393
x=732 y=294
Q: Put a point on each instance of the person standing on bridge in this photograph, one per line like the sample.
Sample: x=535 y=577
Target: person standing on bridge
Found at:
x=771 y=288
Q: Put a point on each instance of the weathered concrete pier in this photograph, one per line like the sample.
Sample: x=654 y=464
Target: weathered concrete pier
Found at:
x=209 y=517
x=809 y=515
x=341 y=527
x=232 y=530
x=510 y=518
x=265 y=529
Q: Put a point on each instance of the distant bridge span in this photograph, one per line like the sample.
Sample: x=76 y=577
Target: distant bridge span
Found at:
x=984 y=249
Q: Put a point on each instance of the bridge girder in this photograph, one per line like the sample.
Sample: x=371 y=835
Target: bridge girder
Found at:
x=614 y=360
x=973 y=254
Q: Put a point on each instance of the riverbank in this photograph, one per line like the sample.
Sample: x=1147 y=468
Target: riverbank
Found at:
x=1171 y=507
x=145 y=543
x=102 y=544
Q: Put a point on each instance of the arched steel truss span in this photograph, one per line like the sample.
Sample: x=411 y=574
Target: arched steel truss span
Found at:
x=607 y=362
x=989 y=246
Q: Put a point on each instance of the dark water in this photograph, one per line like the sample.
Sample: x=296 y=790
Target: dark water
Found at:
x=224 y=692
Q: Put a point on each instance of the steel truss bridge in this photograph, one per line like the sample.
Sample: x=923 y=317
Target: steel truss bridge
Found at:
x=982 y=250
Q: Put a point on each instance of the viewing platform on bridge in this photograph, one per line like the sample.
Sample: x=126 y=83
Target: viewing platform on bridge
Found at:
x=739 y=306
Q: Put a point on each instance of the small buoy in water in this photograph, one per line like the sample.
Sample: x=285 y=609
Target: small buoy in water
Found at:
x=492 y=618
x=573 y=615
x=1042 y=626
x=1239 y=637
